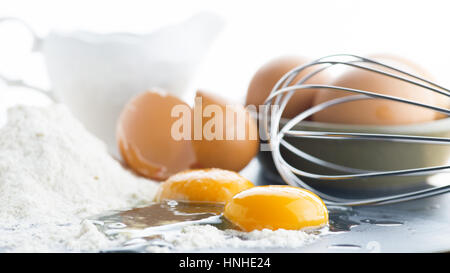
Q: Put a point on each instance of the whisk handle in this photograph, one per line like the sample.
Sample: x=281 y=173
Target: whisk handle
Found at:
x=36 y=47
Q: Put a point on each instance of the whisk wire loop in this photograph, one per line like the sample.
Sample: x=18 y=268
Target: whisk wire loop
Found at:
x=285 y=88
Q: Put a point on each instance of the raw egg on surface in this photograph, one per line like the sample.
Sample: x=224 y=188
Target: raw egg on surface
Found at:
x=275 y=207
x=145 y=140
x=207 y=185
x=378 y=111
x=228 y=138
x=270 y=73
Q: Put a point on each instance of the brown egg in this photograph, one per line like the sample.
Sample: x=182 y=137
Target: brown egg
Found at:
x=379 y=111
x=145 y=139
x=441 y=100
x=228 y=144
x=268 y=75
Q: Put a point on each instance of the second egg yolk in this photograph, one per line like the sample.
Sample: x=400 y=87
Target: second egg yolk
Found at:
x=276 y=207
x=205 y=185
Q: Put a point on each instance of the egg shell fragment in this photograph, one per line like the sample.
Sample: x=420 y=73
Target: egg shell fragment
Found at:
x=236 y=142
x=145 y=138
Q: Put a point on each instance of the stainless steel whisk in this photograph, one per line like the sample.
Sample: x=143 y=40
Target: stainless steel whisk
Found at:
x=283 y=91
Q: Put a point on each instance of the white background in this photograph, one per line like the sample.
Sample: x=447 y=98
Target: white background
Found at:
x=256 y=31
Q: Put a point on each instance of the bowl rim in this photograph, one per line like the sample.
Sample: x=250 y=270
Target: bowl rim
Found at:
x=430 y=127
x=424 y=128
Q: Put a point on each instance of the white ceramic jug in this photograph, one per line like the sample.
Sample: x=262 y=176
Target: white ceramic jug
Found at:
x=96 y=74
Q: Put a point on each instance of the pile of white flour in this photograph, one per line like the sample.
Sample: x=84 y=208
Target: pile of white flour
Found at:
x=54 y=174
x=207 y=237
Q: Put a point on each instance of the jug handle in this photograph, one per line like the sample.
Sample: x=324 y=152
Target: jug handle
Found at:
x=35 y=48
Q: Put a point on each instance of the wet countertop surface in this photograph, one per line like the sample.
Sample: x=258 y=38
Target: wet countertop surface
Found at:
x=415 y=226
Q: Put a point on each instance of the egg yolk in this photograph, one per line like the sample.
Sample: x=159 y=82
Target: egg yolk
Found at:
x=203 y=185
x=276 y=207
